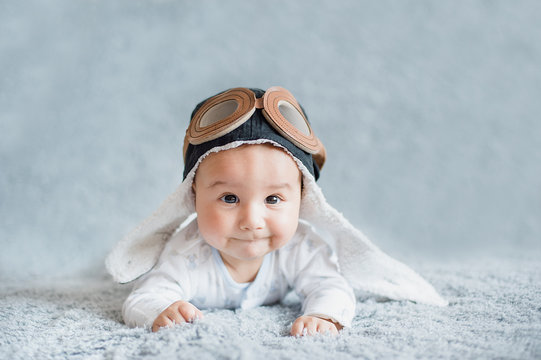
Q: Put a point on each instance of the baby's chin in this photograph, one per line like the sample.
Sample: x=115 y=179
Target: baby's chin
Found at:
x=250 y=254
x=250 y=251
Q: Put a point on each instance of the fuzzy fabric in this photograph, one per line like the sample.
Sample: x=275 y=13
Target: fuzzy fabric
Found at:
x=494 y=312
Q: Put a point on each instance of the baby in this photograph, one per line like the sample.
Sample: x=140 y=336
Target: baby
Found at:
x=251 y=161
x=249 y=249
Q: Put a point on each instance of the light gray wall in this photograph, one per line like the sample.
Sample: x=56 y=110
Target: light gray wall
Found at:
x=429 y=111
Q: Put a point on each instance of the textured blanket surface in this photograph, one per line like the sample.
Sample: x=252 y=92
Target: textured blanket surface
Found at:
x=494 y=312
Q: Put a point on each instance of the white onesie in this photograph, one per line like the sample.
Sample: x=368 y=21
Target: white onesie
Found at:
x=191 y=270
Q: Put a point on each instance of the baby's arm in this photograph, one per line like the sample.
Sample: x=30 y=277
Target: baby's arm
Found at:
x=328 y=300
x=157 y=291
x=152 y=294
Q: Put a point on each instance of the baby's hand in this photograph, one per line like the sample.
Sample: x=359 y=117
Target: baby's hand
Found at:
x=311 y=325
x=176 y=313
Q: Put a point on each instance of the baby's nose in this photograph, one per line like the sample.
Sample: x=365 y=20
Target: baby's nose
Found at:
x=252 y=217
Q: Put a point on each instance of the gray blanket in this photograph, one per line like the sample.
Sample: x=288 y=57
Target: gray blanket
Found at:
x=494 y=312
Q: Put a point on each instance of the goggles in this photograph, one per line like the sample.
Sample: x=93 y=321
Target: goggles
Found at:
x=225 y=112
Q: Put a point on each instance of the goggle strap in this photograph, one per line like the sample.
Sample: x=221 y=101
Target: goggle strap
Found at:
x=259 y=103
x=320 y=156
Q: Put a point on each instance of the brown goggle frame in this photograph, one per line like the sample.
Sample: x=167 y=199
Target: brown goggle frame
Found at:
x=246 y=103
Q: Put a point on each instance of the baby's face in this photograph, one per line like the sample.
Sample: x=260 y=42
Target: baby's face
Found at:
x=247 y=200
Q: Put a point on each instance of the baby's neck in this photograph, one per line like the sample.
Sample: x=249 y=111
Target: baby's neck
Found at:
x=242 y=271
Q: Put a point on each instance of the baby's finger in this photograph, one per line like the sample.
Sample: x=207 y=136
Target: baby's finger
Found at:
x=327 y=328
x=297 y=328
x=175 y=317
x=311 y=326
x=189 y=312
x=198 y=314
x=160 y=322
x=334 y=330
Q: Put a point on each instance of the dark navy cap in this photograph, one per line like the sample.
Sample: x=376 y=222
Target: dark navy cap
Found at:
x=255 y=128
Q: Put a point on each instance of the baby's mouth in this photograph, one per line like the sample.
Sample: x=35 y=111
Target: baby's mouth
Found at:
x=255 y=239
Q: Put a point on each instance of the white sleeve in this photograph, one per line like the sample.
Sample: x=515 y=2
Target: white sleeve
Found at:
x=317 y=280
x=167 y=283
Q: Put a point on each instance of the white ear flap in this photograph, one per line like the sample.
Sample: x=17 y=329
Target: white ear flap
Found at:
x=138 y=252
x=363 y=265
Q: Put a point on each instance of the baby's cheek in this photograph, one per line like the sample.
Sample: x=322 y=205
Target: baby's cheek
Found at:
x=286 y=228
x=209 y=224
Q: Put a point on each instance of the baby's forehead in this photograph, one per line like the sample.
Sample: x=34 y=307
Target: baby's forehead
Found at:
x=267 y=155
x=264 y=152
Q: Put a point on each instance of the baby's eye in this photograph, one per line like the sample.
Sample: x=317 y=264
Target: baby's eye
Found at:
x=230 y=199
x=272 y=200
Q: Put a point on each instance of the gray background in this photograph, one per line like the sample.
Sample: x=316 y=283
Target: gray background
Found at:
x=429 y=112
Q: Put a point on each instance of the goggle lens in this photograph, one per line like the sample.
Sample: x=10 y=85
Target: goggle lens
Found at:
x=292 y=115
x=218 y=112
